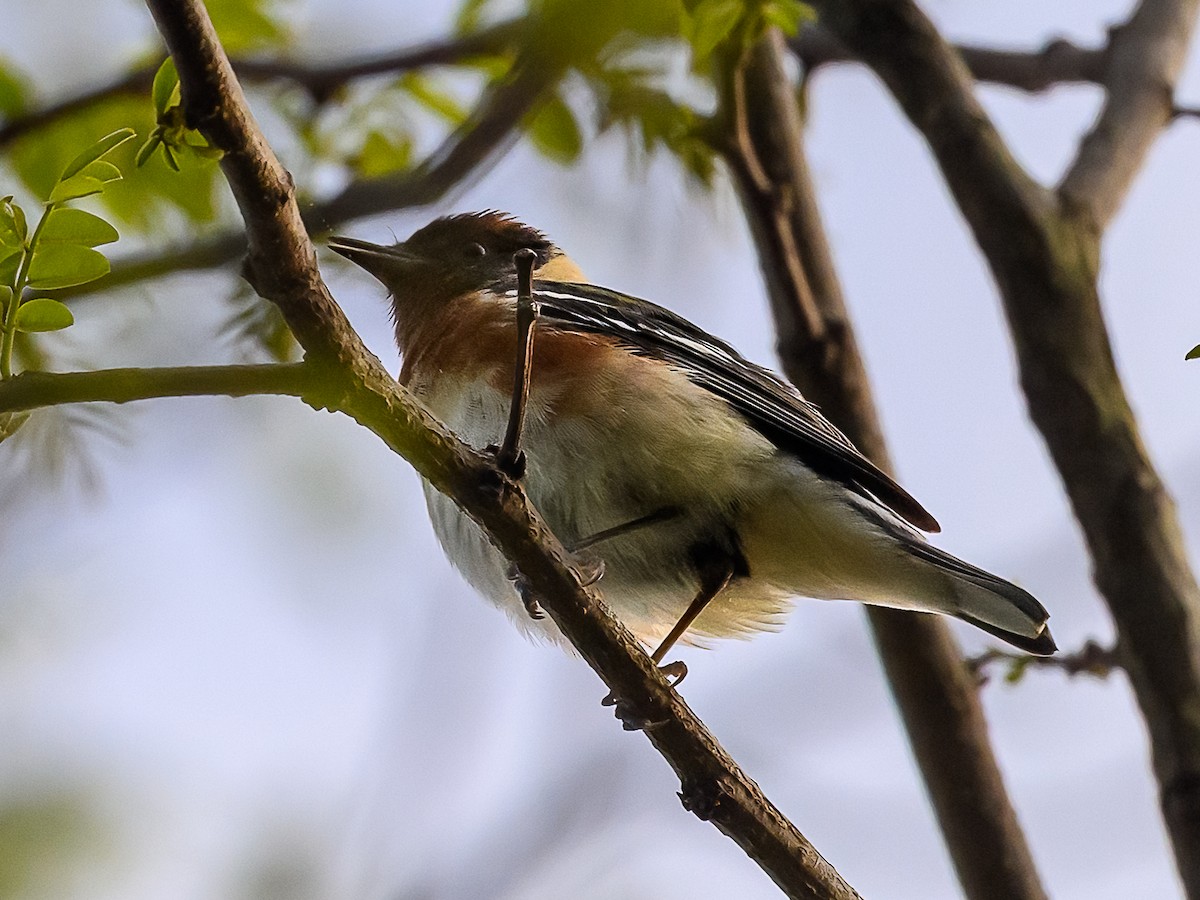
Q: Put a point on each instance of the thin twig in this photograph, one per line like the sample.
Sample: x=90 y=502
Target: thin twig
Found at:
x=1092 y=659
x=509 y=457
x=319 y=80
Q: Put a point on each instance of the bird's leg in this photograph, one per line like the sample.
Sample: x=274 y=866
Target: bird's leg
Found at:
x=714 y=578
x=510 y=457
x=662 y=514
x=590 y=569
x=528 y=598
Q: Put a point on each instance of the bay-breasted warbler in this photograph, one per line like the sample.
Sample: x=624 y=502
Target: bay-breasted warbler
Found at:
x=689 y=471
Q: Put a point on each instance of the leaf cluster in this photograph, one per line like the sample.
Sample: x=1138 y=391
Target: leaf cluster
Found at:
x=59 y=252
x=658 y=111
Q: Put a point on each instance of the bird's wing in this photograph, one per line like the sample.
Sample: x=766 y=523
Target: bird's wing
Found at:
x=770 y=405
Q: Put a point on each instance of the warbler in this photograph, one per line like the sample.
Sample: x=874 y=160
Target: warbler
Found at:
x=711 y=490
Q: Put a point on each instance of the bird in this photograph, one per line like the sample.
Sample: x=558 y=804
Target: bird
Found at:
x=708 y=491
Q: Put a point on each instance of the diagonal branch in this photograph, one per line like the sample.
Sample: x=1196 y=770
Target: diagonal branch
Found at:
x=33 y=390
x=1045 y=258
x=282 y=267
x=937 y=698
x=1146 y=55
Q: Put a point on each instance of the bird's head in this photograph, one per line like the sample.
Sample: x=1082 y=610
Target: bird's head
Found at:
x=455 y=256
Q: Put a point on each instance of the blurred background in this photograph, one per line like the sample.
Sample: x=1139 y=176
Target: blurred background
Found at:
x=234 y=663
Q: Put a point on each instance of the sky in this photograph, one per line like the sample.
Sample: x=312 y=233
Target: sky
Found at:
x=241 y=660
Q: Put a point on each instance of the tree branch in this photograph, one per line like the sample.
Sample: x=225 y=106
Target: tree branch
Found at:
x=282 y=266
x=1045 y=258
x=1059 y=62
x=493 y=122
x=462 y=155
x=1145 y=57
x=1091 y=659
x=32 y=390
x=320 y=80
x=937 y=699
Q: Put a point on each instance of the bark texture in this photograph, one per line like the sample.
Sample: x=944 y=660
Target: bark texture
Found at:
x=934 y=691
x=1043 y=248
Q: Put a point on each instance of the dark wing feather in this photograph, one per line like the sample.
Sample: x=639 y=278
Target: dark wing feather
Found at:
x=771 y=406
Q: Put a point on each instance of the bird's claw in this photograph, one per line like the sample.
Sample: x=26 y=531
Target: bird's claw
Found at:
x=677 y=670
x=588 y=568
x=623 y=709
x=514 y=467
x=525 y=592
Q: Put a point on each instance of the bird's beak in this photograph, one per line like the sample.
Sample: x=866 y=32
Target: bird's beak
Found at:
x=380 y=261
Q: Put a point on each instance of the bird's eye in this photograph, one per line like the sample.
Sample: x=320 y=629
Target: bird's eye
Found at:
x=476 y=250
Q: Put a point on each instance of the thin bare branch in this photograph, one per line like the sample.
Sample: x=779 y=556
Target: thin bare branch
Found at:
x=33 y=390
x=1092 y=659
x=937 y=700
x=1059 y=62
x=319 y=80
x=1145 y=57
x=282 y=266
x=1045 y=258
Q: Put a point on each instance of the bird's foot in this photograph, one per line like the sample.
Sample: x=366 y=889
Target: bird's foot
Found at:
x=675 y=672
x=525 y=591
x=512 y=464
x=588 y=568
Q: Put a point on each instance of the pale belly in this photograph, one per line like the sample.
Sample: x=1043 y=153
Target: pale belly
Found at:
x=587 y=473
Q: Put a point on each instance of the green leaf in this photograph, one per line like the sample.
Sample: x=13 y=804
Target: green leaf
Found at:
x=102 y=170
x=13 y=229
x=165 y=92
x=382 y=154
x=245 y=25
x=787 y=15
x=1017 y=669
x=147 y=149
x=469 y=16
x=102 y=147
x=433 y=97
x=75 y=187
x=43 y=314
x=1194 y=353
x=66 y=225
x=14 y=92
x=8 y=268
x=555 y=132
x=65 y=265
x=712 y=21
x=11 y=421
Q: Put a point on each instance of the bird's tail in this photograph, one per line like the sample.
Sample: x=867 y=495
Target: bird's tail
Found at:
x=989 y=602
